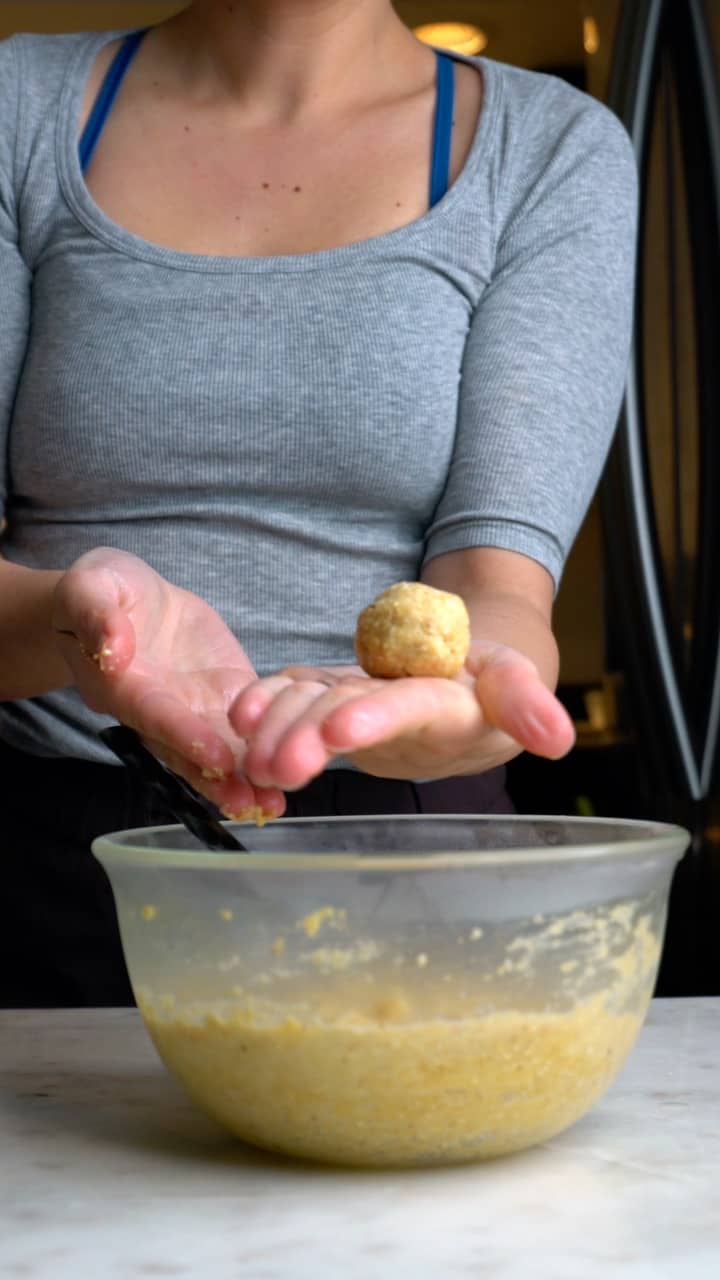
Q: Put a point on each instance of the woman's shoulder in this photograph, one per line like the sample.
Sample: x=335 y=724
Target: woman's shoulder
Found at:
x=554 y=147
x=543 y=112
x=31 y=53
x=34 y=72
x=34 y=68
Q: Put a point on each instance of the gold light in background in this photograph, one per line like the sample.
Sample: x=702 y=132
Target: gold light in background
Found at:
x=460 y=37
x=591 y=35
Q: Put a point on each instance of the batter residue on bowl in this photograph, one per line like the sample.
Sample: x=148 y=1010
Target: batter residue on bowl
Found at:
x=393 y=1073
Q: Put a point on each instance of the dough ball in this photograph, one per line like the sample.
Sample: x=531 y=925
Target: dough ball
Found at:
x=413 y=630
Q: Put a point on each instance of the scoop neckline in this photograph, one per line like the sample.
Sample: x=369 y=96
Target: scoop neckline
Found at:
x=100 y=225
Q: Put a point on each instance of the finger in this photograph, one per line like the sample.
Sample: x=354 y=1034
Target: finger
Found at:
x=329 y=675
x=269 y=803
x=295 y=714
x=395 y=708
x=91 y=621
x=169 y=723
x=233 y=795
x=250 y=706
x=109 y=646
x=516 y=701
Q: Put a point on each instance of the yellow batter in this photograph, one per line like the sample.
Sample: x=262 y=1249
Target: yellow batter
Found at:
x=384 y=1087
x=341 y=1049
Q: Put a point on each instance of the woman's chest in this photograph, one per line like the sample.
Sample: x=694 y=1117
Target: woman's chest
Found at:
x=202 y=181
x=218 y=194
x=139 y=380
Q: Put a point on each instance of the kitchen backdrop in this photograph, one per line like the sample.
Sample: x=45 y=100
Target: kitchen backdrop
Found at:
x=638 y=613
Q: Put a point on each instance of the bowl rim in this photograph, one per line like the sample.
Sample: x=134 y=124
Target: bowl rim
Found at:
x=655 y=839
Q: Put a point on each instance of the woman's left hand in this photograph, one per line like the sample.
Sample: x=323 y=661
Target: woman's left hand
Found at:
x=297 y=721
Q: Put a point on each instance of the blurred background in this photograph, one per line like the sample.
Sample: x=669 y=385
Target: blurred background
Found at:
x=638 y=612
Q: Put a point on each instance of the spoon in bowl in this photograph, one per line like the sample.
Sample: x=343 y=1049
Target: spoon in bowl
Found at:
x=177 y=795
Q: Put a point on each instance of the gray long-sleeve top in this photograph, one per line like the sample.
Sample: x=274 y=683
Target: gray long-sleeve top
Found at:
x=288 y=435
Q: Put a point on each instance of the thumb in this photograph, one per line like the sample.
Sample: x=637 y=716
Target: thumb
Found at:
x=515 y=700
x=91 y=618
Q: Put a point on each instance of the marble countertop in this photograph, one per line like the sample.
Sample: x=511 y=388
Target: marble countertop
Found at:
x=107 y=1171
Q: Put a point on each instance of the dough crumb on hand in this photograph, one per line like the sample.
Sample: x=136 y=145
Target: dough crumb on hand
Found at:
x=413 y=630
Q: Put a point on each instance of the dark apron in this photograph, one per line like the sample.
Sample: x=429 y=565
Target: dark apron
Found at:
x=59 y=940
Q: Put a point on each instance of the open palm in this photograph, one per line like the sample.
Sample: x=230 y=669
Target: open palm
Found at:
x=161 y=660
x=298 y=720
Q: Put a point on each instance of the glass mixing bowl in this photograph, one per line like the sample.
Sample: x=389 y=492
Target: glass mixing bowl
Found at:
x=395 y=991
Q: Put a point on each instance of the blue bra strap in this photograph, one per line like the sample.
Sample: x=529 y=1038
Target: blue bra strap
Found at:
x=442 y=142
x=444 y=109
x=106 y=96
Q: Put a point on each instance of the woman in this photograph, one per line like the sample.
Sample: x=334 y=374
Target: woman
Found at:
x=295 y=308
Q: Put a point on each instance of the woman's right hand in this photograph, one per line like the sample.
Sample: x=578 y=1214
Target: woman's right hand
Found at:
x=161 y=660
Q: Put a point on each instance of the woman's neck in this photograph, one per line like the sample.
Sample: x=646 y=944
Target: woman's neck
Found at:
x=287 y=60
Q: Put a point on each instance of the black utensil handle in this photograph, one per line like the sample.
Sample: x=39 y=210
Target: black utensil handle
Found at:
x=177 y=794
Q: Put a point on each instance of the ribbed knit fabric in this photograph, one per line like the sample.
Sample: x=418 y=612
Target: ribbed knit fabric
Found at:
x=288 y=435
